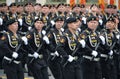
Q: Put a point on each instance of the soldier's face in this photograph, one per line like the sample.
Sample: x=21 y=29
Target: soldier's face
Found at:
x=37 y=8
x=29 y=8
x=94 y=9
x=73 y=26
x=110 y=25
x=20 y=9
x=13 y=9
x=59 y=24
x=92 y=25
x=61 y=8
x=39 y=25
x=53 y=9
x=45 y=10
x=13 y=27
x=5 y=8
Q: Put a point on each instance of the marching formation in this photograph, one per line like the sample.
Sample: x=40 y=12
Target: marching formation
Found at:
x=78 y=42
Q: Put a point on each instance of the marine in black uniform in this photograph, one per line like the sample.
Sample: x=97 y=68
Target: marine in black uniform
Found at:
x=68 y=49
x=54 y=58
x=11 y=43
x=107 y=51
x=36 y=41
x=90 y=54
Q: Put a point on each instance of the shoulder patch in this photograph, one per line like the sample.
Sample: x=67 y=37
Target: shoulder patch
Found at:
x=82 y=36
x=49 y=35
x=28 y=36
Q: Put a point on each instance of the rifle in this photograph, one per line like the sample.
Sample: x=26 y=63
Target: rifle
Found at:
x=36 y=51
x=17 y=48
x=73 y=53
x=38 y=48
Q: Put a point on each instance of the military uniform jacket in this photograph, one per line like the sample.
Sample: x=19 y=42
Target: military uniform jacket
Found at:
x=92 y=41
x=9 y=43
x=54 y=37
x=110 y=42
x=35 y=40
x=68 y=44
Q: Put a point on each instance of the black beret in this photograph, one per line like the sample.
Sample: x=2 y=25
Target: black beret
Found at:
x=67 y=4
x=93 y=5
x=12 y=4
x=111 y=18
x=53 y=5
x=46 y=5
x=82 y=6
x=4 y=4
x=29 y=3
x=92 y=18
x=77 y=5
x=59 y=18
x=37 y=4
x=39 y=19
x=20 y=5
x=11 y=21
x=61 y=4
x=109 y=6
x=71 y=20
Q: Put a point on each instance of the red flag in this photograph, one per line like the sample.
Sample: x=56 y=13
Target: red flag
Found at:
x=102 y=4
x=112 y=2
x=83 y=2
x=72 y=3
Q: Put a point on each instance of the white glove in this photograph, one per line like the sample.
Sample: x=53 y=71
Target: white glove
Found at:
x=36 y=17
x=62 y=29
x=36 y=55
x=43 y=32
x=15 y=55
x=25 y=40
x=20 y=21
x=111 y=52
x=94 y=53
x=102 y=39
x=29 y=28
x=82 y=42
x=70 y=59
x=101 y=21
x=56 y=53
x=117 y=36
x=52 y=22
x=84 y=20
x=46 y=39
x=1 y=21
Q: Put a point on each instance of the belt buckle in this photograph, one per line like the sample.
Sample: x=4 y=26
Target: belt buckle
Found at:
x=110 y=57
x=40 y=56
x=76 y=58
